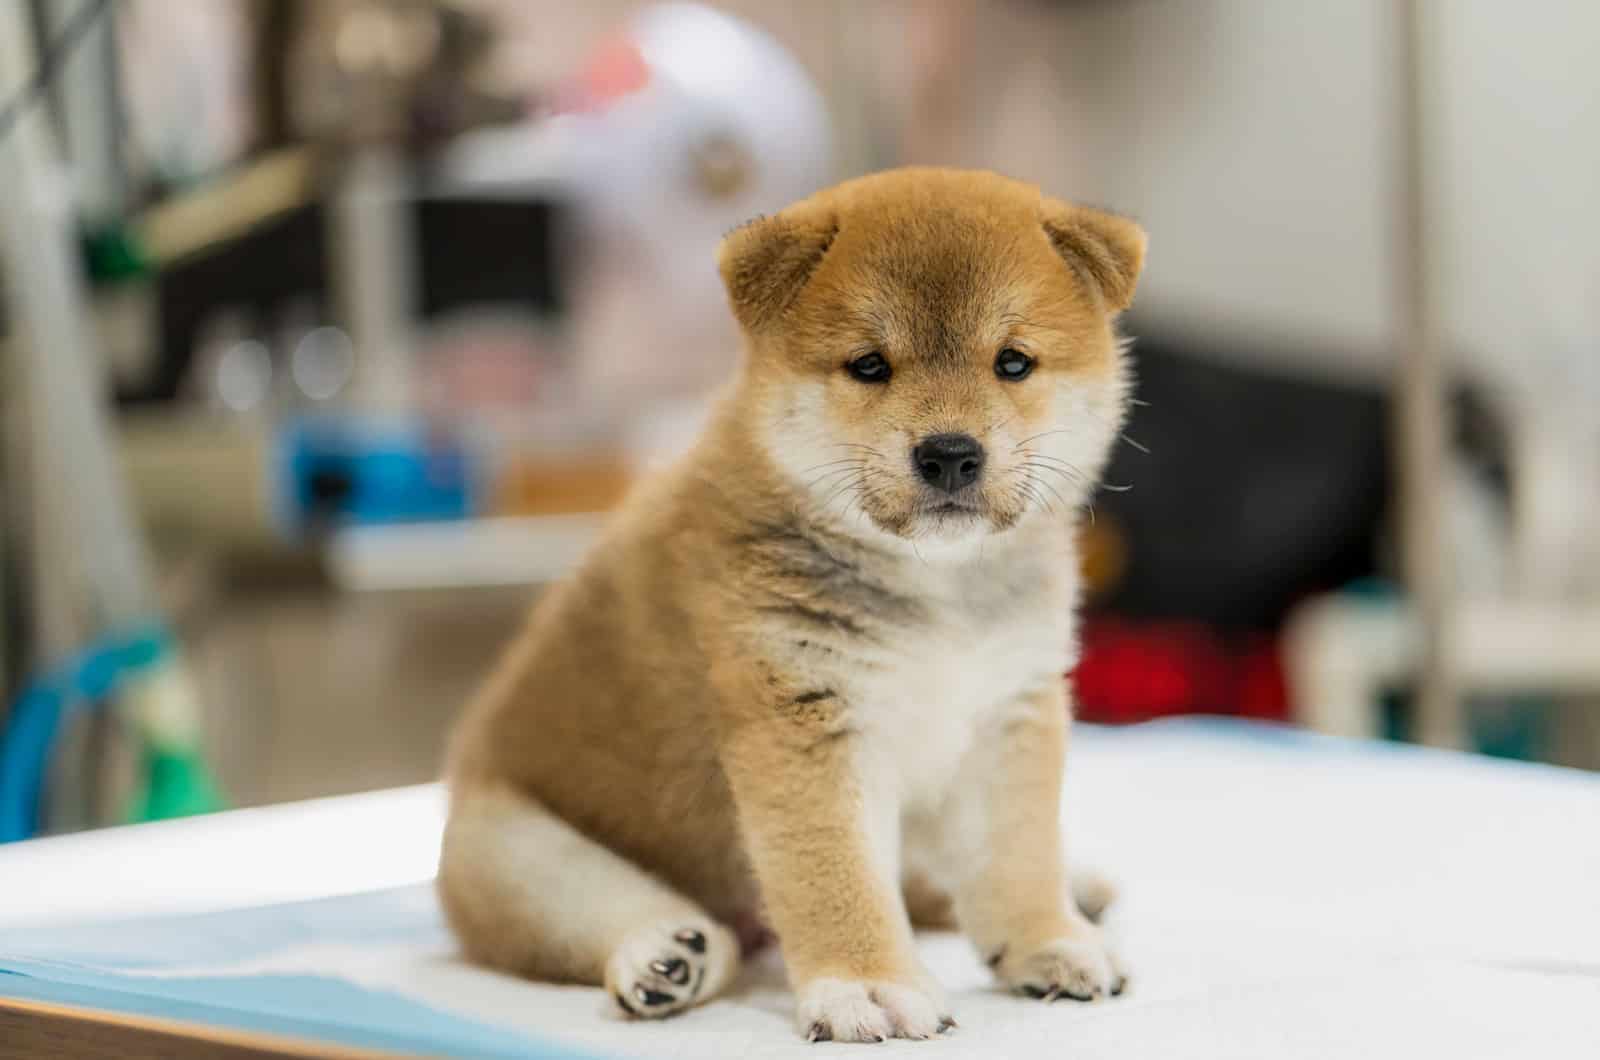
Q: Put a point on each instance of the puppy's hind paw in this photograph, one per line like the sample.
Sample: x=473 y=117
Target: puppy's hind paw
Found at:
x=1081 y=969
x=668 y=967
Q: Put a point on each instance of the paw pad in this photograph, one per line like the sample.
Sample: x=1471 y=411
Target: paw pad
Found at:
x=657 y=973
x=675 y=969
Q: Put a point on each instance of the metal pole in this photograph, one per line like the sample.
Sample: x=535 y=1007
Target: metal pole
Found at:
x=86 y=89
x=1422 y=456
x=372 y=250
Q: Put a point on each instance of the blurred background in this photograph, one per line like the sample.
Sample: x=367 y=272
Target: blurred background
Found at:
x=332 y=328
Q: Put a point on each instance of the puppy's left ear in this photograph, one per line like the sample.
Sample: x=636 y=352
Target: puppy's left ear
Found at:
x=766 y=262
x=1106 y=249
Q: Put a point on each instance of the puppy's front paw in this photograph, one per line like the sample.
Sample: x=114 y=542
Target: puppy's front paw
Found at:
x=870 y=1010
x=1080 y=968
x=667 y=967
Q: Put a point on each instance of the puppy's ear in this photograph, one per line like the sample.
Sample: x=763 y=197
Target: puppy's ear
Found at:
x=765 y=263
x=1106 y=249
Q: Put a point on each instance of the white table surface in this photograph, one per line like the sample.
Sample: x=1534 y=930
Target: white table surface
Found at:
x=1283 y=896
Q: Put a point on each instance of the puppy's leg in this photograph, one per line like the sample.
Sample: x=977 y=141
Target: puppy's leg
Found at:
x=529 y=894
x=823 y=835
x=1012 y=894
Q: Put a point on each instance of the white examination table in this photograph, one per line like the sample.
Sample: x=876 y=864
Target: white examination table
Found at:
x=1283 y=896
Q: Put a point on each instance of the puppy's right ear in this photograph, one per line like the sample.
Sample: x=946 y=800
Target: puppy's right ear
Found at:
x=765 y=263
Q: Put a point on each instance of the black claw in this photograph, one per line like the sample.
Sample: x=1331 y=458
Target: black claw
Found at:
x=819 y=1032
x=674 y=968
x=1036 y=992
x=996 y=957
x=947 y=1024
x=692 y=939
x=651 y=998
x=1119 y=986
x=629 y=1009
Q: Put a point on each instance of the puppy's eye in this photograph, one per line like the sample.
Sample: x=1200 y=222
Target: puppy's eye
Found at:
x=1012 y=365
x=870 y=368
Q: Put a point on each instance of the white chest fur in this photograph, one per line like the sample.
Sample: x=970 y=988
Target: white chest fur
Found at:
x=934 y=689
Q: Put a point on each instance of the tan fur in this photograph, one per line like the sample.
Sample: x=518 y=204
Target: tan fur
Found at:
x=786 y=680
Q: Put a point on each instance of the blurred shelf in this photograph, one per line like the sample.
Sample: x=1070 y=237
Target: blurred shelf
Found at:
x=227 y=205
x=1343 y=653
x=477 y=553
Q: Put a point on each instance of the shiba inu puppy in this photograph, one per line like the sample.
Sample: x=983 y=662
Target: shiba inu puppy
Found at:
x=814 y=672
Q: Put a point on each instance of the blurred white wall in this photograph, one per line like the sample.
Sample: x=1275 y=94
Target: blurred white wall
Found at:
x=1255 y=139
x=1518 y=192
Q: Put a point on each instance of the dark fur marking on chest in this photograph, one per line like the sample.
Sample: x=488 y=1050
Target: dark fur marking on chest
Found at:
x=821 y=577
x=820 y=708
x=818 y=617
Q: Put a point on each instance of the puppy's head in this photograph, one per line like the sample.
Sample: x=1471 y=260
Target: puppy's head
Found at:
x=935 y=349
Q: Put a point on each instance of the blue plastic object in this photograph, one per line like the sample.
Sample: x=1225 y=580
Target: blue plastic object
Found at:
x=29 y=740
x=345 y=470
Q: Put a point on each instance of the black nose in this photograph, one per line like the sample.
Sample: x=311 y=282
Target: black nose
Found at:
x=948 y=461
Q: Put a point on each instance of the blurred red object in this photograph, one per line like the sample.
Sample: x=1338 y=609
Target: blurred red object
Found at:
x=1135 y=671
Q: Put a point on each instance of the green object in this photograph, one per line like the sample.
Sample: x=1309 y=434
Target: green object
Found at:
x=158 y=699
x=177 y=784
x=114 y=255
x=1510 y=726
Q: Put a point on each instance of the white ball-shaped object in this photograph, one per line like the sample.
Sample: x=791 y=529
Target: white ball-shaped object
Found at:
x=727 y=126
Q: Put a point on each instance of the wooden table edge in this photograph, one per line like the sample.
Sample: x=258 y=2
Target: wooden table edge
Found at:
x=37 y=1030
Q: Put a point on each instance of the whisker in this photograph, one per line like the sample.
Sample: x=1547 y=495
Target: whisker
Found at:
x=1028 y=483
x=839 y=489
x=1124 y=435
x=865 y=495
x=996 y=426
x=855 y=468
x=1032 y=455
x=821 y=481
x=1071 y=477
x=831 y=463
x=1066 y=467
x=823 y=476
x=1027 y=490
x=1041 y=434
x=1053 y=492
x=854 y=501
